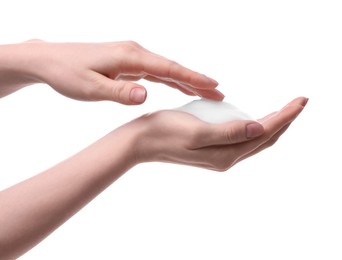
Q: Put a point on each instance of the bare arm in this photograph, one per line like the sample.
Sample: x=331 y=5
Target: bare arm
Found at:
x=96 y=71
x=16 y=68
x=31 y=210
x=34 y=208
x=85 y=71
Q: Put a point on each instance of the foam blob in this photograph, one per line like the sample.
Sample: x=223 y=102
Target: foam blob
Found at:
x=214 y=112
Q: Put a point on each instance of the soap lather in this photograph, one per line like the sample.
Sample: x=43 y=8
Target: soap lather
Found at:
x=215 y=112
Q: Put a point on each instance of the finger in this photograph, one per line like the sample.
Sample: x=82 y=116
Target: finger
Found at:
x=221 y=158
x=233 y=132
x=129 y=77
x=265 y=145
x=272 y=140
x=273 y=125
x=224 y=157
x=167 y=69
x=186 y=90
x=213 y=94
x=264 y=119
x=300 y=101
x=142 y=60
x=181 y=87
x=157 y=80
x=209 y=93
x=124 y=92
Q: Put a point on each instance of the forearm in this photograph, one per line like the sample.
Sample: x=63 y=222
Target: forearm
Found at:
x=18 y=63
x=31 y=210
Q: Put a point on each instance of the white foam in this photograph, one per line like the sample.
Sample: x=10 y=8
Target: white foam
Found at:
x=214 y=112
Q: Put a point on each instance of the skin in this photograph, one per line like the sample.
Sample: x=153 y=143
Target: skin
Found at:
x=96 y=71
x=34 y=208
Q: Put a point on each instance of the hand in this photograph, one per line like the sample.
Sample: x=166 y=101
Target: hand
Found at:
x=178 y=137
x=105 y=71
x=168 y=136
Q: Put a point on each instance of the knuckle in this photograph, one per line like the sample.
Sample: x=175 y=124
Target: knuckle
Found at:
x=118 y=91
x=130 y=46
x=95 y=88
x=173 y=68
x=234 y=135
x=137 y=45
x=195 y=139
x=91 y=91
x=230 y=135
x=133 y=44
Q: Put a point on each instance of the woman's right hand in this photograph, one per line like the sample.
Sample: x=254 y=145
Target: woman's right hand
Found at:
x=178 y=137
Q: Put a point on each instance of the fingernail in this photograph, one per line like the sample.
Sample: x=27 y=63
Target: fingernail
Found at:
x=254 y=130
x=137 y=95
x=220 y=96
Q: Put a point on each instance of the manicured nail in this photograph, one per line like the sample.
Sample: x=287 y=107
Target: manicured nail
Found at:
x=254 y=130
x=138 y=95
x=219 y=95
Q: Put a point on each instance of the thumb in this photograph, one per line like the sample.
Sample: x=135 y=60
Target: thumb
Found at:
x=231 y=132
x=124 y=92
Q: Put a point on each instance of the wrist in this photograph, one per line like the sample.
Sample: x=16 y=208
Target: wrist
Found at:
x=149 y=139
x=139 y=140
x=127 y=140
x=18 y=65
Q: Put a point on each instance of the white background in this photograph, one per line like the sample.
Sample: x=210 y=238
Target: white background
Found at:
x=284 y=203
